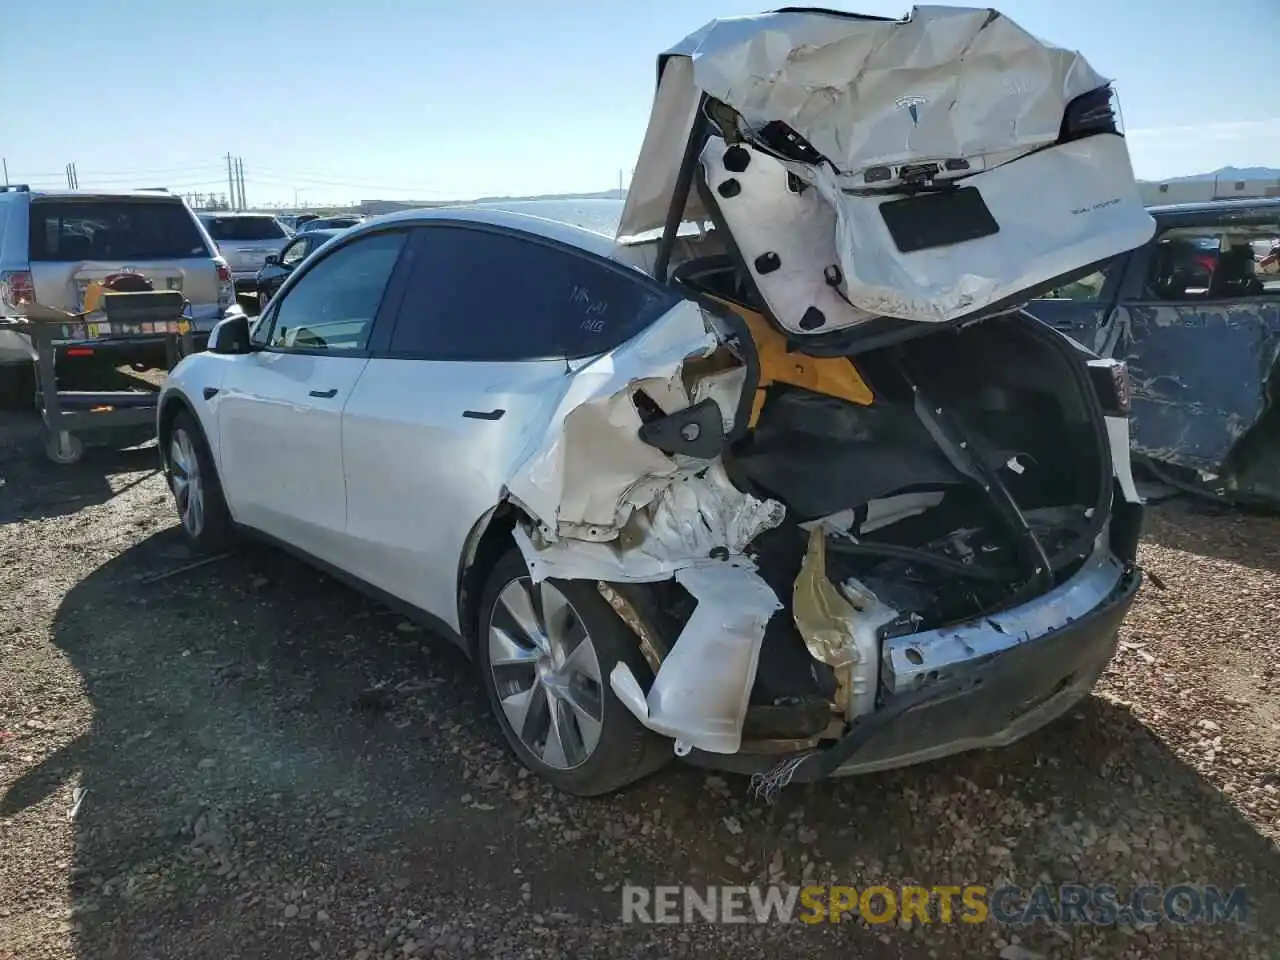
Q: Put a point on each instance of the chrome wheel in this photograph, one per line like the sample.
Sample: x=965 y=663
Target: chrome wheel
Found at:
x=184 y=479
x=546 y=673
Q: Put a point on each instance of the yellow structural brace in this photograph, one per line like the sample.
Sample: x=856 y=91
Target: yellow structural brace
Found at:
x=832 y=376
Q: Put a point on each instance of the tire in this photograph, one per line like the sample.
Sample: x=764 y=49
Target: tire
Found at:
x=197 y=492
x=623 y=750
x=63 y=448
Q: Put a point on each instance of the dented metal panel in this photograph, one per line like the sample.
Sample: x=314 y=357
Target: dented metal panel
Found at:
x=1199 y=376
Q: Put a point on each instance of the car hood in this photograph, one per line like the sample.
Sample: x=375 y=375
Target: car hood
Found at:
x=855 y=107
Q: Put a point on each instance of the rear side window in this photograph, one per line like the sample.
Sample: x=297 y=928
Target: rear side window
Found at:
x=113 y=230
x=244 y=228
x=476 y=294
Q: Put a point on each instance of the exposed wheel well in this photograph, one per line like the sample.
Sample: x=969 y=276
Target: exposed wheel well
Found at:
x=484 y=548
x=173 y=405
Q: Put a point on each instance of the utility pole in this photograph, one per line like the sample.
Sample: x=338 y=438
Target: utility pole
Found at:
x=6 y=171
x=244 y=204
x=231 y=182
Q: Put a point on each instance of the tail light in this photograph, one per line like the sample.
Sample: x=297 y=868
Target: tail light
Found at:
x=17 y=289
x=226 y=284
x=1090 y=113
x=1111 y=384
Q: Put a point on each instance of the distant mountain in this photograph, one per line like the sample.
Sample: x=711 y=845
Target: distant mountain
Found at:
x=1228 y=173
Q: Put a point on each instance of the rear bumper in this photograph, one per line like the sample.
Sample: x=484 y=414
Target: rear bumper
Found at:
x=989 y=703
x=1005 y=698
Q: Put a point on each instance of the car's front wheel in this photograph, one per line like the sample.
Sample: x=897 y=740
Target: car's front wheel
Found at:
x=197 y=492
x=545 y=652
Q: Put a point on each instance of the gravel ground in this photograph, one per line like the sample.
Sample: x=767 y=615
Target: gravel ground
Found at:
x=188 y=768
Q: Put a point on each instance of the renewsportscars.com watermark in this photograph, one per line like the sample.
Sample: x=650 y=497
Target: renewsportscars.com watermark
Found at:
x=1067 y=904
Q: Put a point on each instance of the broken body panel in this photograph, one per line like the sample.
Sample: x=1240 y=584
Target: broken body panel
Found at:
x=1205 y=370
x=822 y=531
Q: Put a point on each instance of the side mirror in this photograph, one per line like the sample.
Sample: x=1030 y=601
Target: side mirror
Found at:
x=231 y=336
x=273 y=260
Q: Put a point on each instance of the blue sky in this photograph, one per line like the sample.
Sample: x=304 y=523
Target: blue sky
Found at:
x=459 y=98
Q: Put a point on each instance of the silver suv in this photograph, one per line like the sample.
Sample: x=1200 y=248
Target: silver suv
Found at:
x=246 y=240
x=54 y=244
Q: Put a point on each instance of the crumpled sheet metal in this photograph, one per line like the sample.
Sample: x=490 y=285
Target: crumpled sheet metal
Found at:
x=863 y=92
x=587 y=479
x=839 y=626
x=700 y=694
x=948 y=82
x=695 y=514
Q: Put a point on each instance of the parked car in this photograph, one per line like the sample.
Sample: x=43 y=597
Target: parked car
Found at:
x=55 y=245
x=246 y=239
x=330 y=223
x=276 y=269
x=703 y=494
x=1195 y=314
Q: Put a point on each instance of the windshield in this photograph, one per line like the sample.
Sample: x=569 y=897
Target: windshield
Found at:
x=244 y=228
x=113 y=230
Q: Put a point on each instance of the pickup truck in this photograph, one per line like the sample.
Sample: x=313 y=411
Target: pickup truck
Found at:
x=1195 y=313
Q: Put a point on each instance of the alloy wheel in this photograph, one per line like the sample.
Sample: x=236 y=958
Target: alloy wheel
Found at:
x=546 y=673
x=188 y=490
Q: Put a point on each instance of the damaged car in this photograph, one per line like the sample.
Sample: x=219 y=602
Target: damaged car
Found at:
x=1195 y=315
x=780 y=480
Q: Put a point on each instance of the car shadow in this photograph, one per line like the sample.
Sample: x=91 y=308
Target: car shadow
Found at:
x=275 y=762
x=1192 y=525
x=34 y=488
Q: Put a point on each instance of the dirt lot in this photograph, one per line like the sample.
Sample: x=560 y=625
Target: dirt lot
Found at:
x=239 y=797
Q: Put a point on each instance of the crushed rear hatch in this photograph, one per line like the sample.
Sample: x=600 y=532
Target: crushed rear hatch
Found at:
x=881 y=177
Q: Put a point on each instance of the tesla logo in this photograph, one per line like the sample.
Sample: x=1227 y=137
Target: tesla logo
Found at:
x=912 y=105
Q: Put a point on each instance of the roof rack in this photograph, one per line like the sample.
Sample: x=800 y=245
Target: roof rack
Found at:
x=15 y=188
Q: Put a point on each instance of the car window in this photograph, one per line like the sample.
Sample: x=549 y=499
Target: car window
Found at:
x=1086 y=288
x=477 y=294
x=62 y=230
x=1215 y=263
x=294 y=253
x=244 y=228
x=332 y=305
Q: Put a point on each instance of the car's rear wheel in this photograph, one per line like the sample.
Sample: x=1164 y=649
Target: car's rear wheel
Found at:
x=545 y=652
x=197 y=492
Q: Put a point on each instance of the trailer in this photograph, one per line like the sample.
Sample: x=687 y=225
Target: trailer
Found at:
x=143 y=315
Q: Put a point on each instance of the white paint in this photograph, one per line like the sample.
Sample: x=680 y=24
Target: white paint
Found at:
x=1121 y=457
x=946 y=84
x=700 y=694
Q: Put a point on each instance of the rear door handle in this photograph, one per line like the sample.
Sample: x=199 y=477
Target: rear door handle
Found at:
x=483 y=414
x=325 y=394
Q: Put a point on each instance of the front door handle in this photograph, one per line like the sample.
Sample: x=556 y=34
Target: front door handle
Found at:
x=325 y=394
x=483 y=414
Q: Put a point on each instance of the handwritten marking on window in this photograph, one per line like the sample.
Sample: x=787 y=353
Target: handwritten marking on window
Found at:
x=593 y=310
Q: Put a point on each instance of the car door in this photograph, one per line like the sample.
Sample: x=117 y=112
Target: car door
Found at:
x=280 y=409
x=1080 y=309
x=463 y=389
x=1201 y=334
